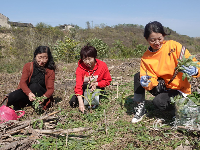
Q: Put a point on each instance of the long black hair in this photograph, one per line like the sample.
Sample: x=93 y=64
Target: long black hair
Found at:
x=154 y=26
x=50 y=63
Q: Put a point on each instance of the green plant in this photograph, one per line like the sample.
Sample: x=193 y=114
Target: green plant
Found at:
x=38 y=123
x=186 y=62
x=101 y=47
x=37 y=104
x=139 y=50
x=195 y=97
x=65 y=50
x=121 y=49
x=89 y=98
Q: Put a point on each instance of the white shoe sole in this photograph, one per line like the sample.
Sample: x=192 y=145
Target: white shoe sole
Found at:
x=137 y=120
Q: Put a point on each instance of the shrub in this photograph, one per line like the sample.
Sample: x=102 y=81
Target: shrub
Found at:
x=101 y=47
x=139 y=50
x=66 y=50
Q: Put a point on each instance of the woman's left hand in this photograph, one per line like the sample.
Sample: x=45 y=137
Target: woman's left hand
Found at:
x=191 y=70
x=93 y=85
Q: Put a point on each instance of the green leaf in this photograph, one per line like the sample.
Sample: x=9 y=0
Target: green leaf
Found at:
x=183 y=76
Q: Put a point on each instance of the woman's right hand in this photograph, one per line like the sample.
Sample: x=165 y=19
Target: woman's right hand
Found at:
x=82 y=108
x=31 y=96
x=81 y=104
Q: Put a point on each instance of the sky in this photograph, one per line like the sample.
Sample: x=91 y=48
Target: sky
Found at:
x=182 y=16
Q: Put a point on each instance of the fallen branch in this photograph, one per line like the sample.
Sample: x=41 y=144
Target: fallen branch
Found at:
x=67 y=131
x=14 y=144
x=190 y=128
x=18 y=126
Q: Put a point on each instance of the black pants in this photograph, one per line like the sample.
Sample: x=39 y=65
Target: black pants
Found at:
x=162 y=100
x=19 y=99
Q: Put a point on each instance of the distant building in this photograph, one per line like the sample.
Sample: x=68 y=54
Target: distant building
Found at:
x=4 y=21
x=18 y=24
x=66 y=27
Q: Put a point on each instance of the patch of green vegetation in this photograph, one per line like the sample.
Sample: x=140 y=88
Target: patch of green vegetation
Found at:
x=111 y=128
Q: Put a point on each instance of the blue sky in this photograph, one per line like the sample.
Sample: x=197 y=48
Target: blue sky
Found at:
x=182 y=16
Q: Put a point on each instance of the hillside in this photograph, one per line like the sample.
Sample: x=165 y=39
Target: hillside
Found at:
x=132 y=35
x=118 y=42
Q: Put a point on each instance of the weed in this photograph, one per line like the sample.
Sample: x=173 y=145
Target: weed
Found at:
x=187 y=62
x=37 y=104
x=91 y=94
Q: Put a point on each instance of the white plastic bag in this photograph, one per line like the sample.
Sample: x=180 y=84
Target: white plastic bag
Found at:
x=187 y=114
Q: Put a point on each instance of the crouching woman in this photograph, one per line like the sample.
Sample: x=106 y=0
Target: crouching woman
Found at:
x=90 y=71
x=37 y=80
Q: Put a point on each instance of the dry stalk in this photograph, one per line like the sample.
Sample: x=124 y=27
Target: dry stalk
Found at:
x=67 y=131
x=66 y=139
x=105 y=122
x=117 y=90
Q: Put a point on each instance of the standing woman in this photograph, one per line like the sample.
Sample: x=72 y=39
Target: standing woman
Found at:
x=37 y=80
x=89 y=71
x=157 y=68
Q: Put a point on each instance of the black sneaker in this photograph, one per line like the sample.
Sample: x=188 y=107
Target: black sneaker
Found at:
x=140 y=112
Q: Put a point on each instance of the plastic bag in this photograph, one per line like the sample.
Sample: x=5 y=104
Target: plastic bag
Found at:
x=7 y=113
x=187 y=114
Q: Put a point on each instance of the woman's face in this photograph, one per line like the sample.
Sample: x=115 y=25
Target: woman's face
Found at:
x=42 y=59
x=89 y=62
x=155 y=40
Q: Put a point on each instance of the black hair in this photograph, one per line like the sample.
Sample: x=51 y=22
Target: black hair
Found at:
x=154 y=26
x=88 y=51
x=50 y=63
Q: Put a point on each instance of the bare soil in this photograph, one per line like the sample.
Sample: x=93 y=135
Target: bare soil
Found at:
x=122 y=71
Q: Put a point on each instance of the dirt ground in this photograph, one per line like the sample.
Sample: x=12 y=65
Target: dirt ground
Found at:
x=122 y=70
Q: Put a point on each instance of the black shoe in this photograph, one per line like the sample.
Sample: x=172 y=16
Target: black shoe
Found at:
x=140 y=112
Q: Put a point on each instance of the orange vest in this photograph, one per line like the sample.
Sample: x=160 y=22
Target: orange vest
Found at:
x=162 y=64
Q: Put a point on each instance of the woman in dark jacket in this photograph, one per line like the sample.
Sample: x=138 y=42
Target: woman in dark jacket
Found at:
x=37 y=80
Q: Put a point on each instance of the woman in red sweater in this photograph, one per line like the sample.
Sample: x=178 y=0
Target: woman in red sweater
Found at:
x=37 y=80
x=89 y=71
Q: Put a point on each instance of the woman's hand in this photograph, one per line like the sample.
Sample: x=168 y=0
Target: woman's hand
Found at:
x=191 y=70
x=144 y=81
x=82 y=108
x=31 y=96
x=93 y=85
x=81 y=105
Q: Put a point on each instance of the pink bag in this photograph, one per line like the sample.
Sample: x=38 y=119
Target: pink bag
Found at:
x=7 y=113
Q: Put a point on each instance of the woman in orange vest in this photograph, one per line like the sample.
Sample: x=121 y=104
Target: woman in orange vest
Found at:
x=157 y=69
